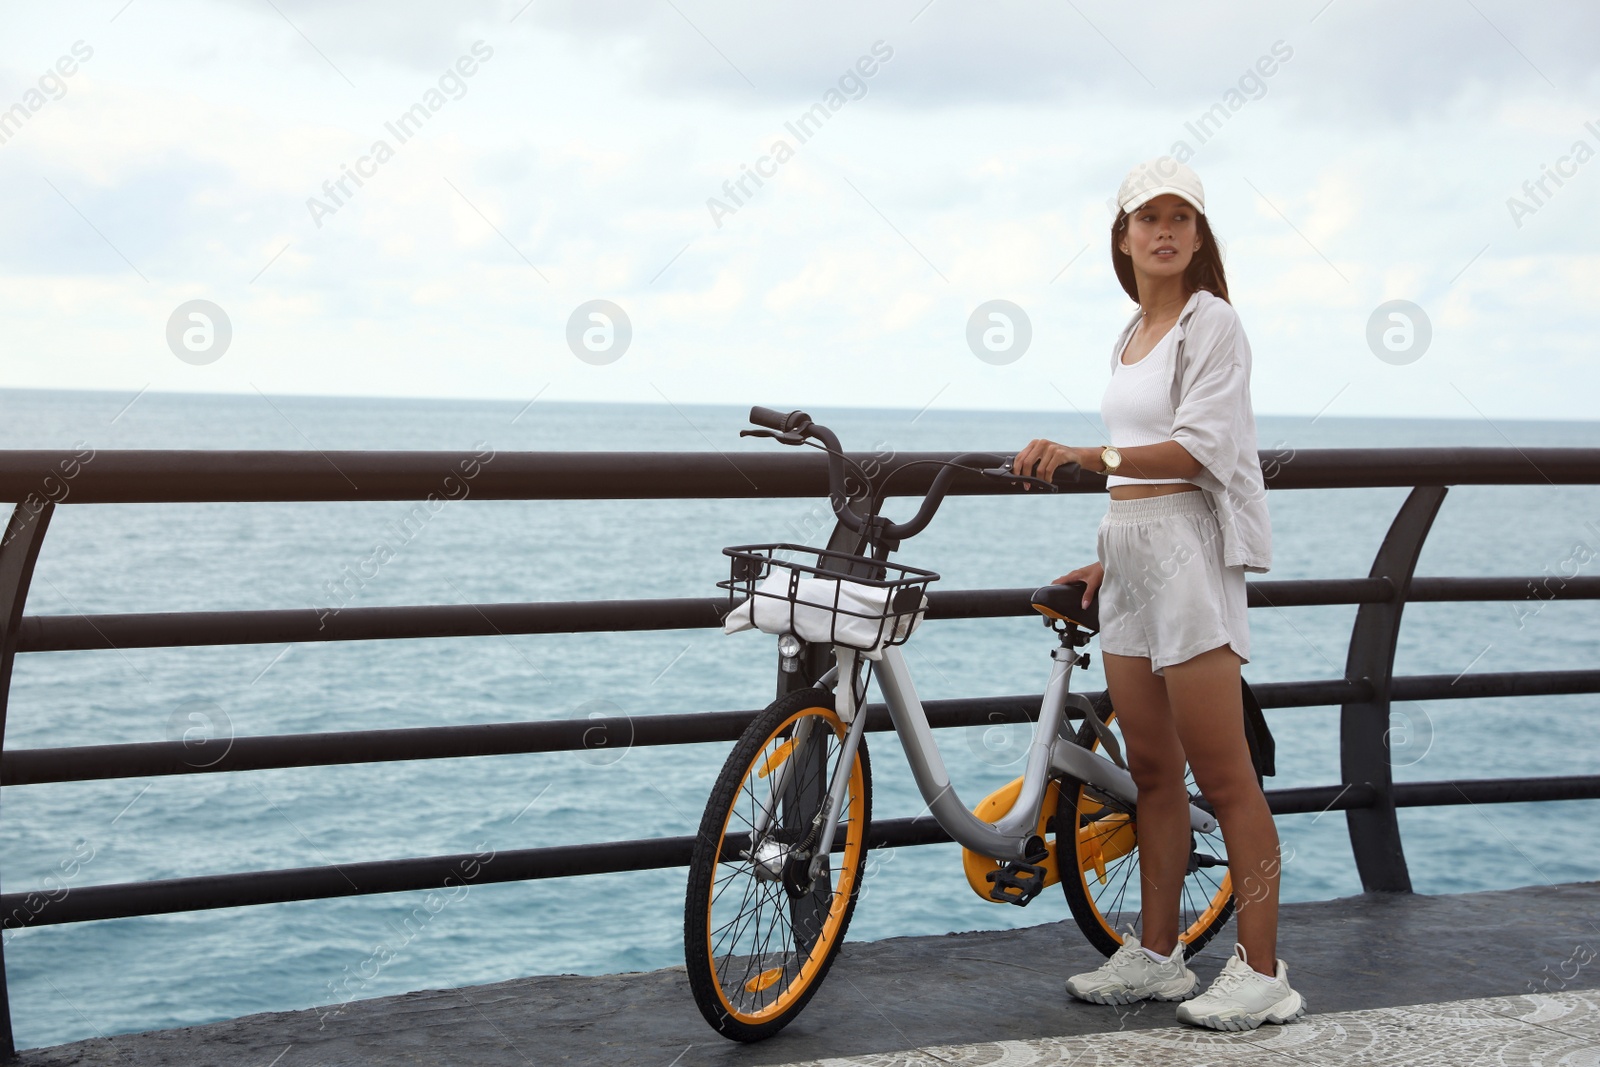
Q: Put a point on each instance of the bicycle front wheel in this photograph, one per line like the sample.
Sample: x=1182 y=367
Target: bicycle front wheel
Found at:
x=759 y=931
x=1097 y=851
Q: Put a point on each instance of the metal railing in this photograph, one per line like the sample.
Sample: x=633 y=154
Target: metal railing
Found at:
x=1366 y=792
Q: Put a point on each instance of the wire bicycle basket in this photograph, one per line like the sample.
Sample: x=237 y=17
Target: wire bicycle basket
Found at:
x=824 y=596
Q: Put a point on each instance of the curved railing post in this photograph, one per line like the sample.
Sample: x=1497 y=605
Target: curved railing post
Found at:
x=18 y=553
x=1364 y=726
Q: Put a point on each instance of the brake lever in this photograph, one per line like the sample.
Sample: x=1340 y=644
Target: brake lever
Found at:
x=1006 y=473
x=787 y=438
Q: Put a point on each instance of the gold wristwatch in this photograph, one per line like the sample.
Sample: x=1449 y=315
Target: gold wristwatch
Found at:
x=1110 y=459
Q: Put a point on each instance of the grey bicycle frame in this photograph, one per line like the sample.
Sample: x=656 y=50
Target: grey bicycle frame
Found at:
x=1049 y=754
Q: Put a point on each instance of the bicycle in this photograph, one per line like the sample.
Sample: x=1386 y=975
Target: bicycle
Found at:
x=777 y=864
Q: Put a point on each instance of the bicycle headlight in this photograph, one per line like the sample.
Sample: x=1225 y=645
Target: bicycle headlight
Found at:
x=788 y=646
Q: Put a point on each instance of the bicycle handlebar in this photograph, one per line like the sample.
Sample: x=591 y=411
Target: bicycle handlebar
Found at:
x=796 y=426
x=777 y=420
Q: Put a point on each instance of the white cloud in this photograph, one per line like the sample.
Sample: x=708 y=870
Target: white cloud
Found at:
x=986 y=147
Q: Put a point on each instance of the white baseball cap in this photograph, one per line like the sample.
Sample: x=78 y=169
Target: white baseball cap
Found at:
x=1163 y=174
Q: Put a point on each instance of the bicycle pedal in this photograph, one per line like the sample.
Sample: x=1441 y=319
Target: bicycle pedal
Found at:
x=1016 y=883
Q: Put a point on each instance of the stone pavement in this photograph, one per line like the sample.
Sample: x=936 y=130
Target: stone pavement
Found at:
x=1508 y=977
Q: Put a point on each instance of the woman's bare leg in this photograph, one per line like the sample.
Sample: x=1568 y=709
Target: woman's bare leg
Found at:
x=1155 y=759
x=1208 y=713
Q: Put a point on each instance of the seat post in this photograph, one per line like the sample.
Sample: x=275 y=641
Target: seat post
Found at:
x=1070 y=634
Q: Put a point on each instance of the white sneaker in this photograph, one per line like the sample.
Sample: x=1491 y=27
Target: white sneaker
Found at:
x=1130 y=974
x=1242 y=998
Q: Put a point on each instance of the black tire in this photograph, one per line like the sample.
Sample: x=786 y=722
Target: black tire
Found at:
x=758 y=947
x=1206 y=902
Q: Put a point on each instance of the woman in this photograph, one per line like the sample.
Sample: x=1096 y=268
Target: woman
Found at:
x=1187 y=518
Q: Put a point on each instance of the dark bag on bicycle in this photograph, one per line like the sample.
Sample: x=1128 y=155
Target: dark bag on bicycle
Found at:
x=1263 y=749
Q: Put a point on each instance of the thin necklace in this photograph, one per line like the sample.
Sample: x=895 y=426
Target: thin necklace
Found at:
x=1143 y=314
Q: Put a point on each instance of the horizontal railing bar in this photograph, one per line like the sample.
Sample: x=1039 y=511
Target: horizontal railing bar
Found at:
x=1312 y=693
x=1304 y=799
x=126 y=899
x=1540 y=588
x=83 y=763
x=122 y=900
x=1496 y=791
x=1312 y=592
x=168 y=629
x=120 y=476
x=141 y=759
x=1493 y=684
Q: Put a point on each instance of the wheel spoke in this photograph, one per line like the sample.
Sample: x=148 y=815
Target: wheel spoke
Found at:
x=759 y=935
x=1131 y=870
x=758 y=955
x=744 y=915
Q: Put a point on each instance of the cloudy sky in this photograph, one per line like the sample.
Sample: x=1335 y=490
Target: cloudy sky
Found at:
x=559 y=153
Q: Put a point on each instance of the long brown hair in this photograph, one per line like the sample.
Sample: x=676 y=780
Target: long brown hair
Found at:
x=1204 y=270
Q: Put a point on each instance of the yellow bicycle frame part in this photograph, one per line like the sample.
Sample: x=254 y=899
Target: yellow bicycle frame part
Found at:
x=1101 y=841
x=989 y=809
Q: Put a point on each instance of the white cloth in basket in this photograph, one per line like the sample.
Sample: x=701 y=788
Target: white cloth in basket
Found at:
x=813 y=614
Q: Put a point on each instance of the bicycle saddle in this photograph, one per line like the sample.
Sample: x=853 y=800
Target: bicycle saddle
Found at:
x=1065 y=602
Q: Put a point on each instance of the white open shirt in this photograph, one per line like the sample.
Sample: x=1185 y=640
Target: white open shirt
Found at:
x=1216 y=424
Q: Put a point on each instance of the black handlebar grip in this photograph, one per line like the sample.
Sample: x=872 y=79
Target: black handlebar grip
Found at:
x=778 y=420
x=772 y=420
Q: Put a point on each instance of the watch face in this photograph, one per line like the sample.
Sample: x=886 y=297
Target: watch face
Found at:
x=1112 y=458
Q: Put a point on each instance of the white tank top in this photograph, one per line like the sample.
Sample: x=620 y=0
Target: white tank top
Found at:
x=1137 y=406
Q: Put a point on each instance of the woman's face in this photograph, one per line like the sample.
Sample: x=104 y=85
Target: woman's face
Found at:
x=1162 y=236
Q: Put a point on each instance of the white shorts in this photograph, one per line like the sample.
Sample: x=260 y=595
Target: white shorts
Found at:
x=1166 y=594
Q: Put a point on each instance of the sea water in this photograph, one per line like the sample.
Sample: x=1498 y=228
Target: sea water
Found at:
x=103 y=978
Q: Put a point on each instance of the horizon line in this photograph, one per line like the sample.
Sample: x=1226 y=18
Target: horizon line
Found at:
x=383 y=397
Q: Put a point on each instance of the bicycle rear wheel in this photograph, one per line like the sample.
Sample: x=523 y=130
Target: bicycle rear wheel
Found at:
x=1097 y=850
x=759 y=933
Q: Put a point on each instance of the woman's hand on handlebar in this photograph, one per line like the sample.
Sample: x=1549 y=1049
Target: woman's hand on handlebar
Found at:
x=1041 y=458
x=1091 y=577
